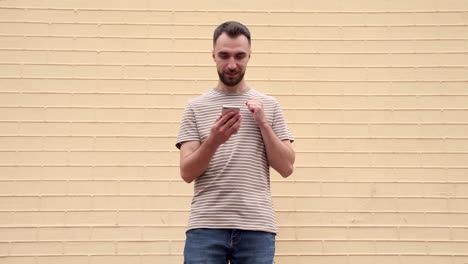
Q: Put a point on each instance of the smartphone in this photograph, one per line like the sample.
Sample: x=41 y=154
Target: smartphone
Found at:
x=229 y=108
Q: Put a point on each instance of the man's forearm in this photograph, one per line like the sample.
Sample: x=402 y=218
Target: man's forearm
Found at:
x=280 y=155
x=193 y=164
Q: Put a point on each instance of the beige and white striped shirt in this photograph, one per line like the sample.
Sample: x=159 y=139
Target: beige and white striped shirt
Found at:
x=234 y=191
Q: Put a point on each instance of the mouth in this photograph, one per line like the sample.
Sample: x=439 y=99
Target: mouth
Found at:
x=231 y=74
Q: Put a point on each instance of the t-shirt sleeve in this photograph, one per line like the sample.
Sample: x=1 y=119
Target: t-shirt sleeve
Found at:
x=188 y=130
x=279 y=125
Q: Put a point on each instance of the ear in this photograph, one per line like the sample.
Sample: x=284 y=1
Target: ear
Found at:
x=213 y=54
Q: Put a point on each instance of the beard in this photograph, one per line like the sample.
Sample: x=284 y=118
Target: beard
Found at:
x=228 y=81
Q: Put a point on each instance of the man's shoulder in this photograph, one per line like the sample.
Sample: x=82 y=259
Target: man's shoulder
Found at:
x=265 y=97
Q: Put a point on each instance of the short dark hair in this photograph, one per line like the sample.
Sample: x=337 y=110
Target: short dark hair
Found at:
x=233 y=29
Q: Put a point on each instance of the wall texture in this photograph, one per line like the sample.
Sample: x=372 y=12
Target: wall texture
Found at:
x=375 y=91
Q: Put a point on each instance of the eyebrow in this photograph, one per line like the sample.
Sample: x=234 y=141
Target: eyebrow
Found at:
x=236 y=54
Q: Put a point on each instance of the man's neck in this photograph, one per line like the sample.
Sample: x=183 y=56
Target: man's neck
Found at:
x=237 y=89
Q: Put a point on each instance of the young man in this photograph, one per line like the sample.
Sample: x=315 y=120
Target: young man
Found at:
x=228 y=156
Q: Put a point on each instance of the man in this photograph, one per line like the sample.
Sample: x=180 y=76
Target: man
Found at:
x=228 y=156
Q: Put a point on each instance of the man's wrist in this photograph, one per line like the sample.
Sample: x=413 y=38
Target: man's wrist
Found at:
x=211 y=143
x=263 y=125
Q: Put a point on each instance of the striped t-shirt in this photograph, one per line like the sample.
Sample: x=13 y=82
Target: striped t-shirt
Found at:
x=234 y=191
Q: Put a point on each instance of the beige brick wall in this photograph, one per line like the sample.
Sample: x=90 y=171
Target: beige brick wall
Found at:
x=375 y=91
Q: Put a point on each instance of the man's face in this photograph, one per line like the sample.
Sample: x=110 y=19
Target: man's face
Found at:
x=231 y=56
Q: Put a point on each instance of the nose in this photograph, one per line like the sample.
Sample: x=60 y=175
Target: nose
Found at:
x=232 y=64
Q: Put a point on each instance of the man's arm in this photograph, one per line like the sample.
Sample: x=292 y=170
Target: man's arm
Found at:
x=280 y=153
x=195 y=156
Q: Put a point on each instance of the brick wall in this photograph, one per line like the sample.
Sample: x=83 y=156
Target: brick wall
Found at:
x=375 y=92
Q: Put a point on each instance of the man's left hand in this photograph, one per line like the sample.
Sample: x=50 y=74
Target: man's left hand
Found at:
x=255 y=106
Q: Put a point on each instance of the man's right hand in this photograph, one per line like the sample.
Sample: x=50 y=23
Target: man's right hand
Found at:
x=195 y=156
x=225 y=126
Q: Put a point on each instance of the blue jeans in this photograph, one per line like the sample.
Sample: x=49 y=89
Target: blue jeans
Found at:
x=222 y=246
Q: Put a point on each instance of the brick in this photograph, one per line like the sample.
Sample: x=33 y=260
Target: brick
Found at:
x=346 y=189
x=44 y=71
x=121 y=58
x=348 y=247
x=178 y=219
x=48 y=42
x=78 y=30
x=73 y=57
x=440 y=219
x=426 y=233
x=19 y=56
x=458 y=259
x=283 y=203
x=438 y=45
x=64 y=203
x=89 y=248
x=178 y=187
x=38 y=218
x=112 y=143
x=422 y=205
x=405 y=247
x=160 y=142
x=91 y=128
x=61 y=259
x=373 y=259
x=115 y=203
x=93 y=187
x=50 y=16
x=298 y=247
x=99 y=16
x=22 y=28
x=168 y=202
x=114 y=259
x=171 y=259
x=70 y=143
x=20 y=188
x=117 y=173
x=163 y=233
x=12 y=143
x=181 y=31
x=42 y=248
x=35 y=99
x=322 y=233
x=143 y=247
x=11 y=70
x=456 y=204
x=143 y=187
x=373 y=233
x=98 y=72
x=147 y=16
x=98 y=44
x=19 y=203
x=8 y=234
x=115 y=233
x=12 y=42
x=317 y=203
x=6 y=218
x=371 y=204
x=121 y=30
x=194 y=17
x=91 y=218
x=20 y=259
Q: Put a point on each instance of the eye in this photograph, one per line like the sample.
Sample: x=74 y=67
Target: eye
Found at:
x=223 y=56
x=240 y=56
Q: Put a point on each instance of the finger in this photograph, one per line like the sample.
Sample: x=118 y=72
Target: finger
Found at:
x=235 y=127
x=229 y=123
x=224 y=118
